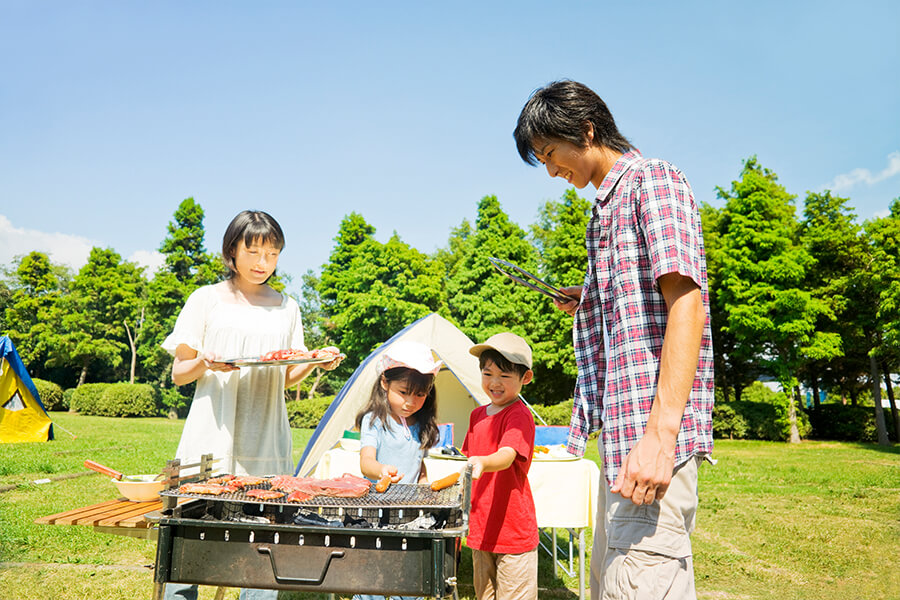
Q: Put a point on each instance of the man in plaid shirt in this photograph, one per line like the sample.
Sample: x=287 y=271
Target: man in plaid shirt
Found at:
x=642 y=342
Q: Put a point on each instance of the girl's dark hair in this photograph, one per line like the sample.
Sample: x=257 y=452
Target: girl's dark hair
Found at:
x=560 y=111
x=416 y=383
x=249 y=226
x=503 y=363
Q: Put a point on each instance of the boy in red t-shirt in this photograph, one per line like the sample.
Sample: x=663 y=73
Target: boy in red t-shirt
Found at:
x=503 y=532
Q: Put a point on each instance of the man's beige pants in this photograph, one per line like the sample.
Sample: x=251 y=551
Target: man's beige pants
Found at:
x=644 y=552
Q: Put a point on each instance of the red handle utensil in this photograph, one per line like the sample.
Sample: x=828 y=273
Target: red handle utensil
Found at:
x=94 y=466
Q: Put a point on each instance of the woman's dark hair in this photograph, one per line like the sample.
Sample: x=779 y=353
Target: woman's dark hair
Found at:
x=417 y=383
x=250 y=226
x=503 y=363
x=560 y=111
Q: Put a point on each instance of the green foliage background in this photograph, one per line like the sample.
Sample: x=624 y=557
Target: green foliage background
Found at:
x=810 y=301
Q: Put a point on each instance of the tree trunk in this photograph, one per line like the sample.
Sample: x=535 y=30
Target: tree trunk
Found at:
x=83 y=375
x=320 y=373
x=132 y=341
x=133 y=350
x=737 y=393
x=814 y=381
x=876 y=396
x=793 y=400
x=890 y=394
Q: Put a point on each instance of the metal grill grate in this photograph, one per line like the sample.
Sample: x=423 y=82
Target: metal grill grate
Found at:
x=408 y=496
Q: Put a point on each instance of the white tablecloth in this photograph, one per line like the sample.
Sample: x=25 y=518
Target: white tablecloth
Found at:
x=565 y=491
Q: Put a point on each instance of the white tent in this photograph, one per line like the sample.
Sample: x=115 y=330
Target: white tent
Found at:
x=458 y=387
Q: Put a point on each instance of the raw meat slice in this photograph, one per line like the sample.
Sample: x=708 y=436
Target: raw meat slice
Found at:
x=298 y=496
x=204 y=488
x=263 y=494
x=221 y=479
x=247 y=480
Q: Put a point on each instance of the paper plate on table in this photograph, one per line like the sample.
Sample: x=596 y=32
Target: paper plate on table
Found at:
x=554 y=453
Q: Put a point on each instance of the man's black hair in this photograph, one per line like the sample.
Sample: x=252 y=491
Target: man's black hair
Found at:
x=503 y=363
x=560 y=111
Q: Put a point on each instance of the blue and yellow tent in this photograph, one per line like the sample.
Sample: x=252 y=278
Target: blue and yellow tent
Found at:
x=22 y=415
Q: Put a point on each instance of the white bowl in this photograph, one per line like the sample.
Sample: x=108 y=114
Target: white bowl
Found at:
x=349 y=444
x=140 y=488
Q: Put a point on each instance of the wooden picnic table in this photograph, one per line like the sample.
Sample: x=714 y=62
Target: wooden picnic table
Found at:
x=119 y=517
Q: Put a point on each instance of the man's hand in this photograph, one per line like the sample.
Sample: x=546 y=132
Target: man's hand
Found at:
x=569 y=307
x=647 y=470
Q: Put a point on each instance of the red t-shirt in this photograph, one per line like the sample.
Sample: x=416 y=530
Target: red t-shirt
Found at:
x=502 y=518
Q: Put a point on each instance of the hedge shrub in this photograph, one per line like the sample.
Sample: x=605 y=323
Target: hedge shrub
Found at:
x=555 y=414
x=728 y=423
x=86 y=398
x=116 y=400
x=758 y=420
x=129 y=400
x=52 y=396
x=844 y=423
x=306 y=414
x=67 y=398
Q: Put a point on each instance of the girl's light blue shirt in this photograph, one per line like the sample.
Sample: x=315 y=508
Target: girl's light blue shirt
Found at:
x=392 y=447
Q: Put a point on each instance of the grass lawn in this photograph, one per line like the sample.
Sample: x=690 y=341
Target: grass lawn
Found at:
x=814 y=521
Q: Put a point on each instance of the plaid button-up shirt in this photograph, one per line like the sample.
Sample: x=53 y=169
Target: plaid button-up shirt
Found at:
x=645 y=224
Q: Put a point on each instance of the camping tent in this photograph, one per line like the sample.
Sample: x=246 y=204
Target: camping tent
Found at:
x=22 y=416
x=458 y=387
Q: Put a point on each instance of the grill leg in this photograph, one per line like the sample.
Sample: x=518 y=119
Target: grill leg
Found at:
x=158 y=590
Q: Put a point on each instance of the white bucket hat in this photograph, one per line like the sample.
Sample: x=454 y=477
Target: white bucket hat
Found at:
x=411 y=355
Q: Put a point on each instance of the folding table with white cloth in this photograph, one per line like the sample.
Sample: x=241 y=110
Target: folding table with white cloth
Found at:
x=564 y=491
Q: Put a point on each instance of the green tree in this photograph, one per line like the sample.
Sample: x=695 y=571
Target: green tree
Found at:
x=370 y=291
x=880 y=283
x=317 y=333
x=187 y=266
x=483 y=302
x=559 y=237
x=830 y=234
x=763 y=273
x=736 y=365
x=457 y=247
x=184 y=250
x=34 y=288
x=89 y=320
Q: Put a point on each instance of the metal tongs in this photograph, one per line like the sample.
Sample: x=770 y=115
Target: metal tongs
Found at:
x=530 y=280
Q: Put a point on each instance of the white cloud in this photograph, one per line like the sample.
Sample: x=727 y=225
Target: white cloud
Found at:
x=71 y=250
x=843 y=183
x=148 y=258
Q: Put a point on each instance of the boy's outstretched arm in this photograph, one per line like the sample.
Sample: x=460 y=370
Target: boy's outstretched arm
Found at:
x=499 y=460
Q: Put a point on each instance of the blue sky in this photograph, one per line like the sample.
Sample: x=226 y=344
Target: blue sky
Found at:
x=111 y=113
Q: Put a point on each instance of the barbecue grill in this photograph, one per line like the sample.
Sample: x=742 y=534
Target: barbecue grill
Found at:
x=400 y=542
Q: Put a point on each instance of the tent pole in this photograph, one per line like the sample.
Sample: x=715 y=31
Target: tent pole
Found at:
x=531 y=408
x=74 y=437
